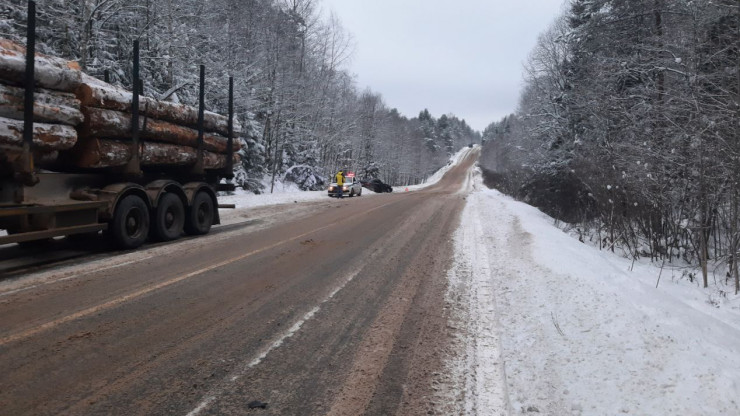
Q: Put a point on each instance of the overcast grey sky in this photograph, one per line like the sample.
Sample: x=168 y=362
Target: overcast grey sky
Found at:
x=450 y=56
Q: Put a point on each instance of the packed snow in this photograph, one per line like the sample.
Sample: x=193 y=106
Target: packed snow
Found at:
x=549 y=325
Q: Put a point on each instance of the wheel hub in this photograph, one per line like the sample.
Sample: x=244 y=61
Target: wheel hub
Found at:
x=202 y=213
x=169 y=219
x=133 y=222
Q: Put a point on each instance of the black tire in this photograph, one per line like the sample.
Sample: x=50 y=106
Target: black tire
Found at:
x=169 y=218
x=200 y=215
x=129 y=227
x=359 y=193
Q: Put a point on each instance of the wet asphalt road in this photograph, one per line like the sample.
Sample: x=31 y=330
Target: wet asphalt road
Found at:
x=337 y=311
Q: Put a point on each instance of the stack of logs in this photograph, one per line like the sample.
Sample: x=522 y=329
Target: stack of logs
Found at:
x=82 y=123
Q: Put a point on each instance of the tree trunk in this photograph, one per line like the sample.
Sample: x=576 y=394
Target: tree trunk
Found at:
x=275 y=158
x=704 y=257
x=98 y=94
x=658 y=5
x=98 y=153
x=53 y=73
x=735 y=238
x=703 y=233
x=48 y=107
x=46 y=137
x=86 y=32
x=117 y=125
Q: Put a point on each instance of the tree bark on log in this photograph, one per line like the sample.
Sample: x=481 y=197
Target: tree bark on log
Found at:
x=48 y=107
x=95 y=93
x=46 y=137
x=102 y=153
x=52 y=73
x=117 y=125
x=40 y=158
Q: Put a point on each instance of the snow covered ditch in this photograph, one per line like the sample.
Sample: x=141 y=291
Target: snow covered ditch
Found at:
x=549 y=325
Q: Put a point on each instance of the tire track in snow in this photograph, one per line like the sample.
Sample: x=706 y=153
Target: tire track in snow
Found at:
x=480 y=371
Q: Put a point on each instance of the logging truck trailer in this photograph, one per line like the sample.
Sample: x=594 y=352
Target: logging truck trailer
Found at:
x=62 y=204
x=143 y=199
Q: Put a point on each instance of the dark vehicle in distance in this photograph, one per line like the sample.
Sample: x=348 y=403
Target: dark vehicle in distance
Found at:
x=376 y=185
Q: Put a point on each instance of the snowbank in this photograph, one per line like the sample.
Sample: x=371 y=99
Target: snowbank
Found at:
x=246 y=201
x=554 y=326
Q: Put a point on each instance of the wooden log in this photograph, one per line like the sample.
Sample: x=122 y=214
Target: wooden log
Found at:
x=218 y=161
x=50 y=72
x=97 y=153
x=49 y=106
x=95 y=93
x=46 y=137
x=117 y=125
x=46 y=159
x=102 y=153
x=164 y=154
x=41 y=158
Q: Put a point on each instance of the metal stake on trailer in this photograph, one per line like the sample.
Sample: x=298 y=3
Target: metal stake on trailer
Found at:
x=198 y=168
x=26 y=169
x=229 y=170
x=134 y=164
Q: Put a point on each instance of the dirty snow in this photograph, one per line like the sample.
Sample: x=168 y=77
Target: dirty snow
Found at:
x=552 y=326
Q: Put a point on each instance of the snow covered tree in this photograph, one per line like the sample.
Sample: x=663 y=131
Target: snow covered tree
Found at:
x=635 y=103
x=302 y=113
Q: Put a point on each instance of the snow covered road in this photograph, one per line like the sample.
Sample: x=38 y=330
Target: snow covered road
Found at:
x=551 y=326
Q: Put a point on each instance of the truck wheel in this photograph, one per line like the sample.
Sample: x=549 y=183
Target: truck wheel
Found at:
x=200 y=215
x=169 y=218
x=130 y=225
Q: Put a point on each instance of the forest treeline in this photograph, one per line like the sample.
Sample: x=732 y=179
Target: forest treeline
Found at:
x=628 y=127
x=303 y=114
